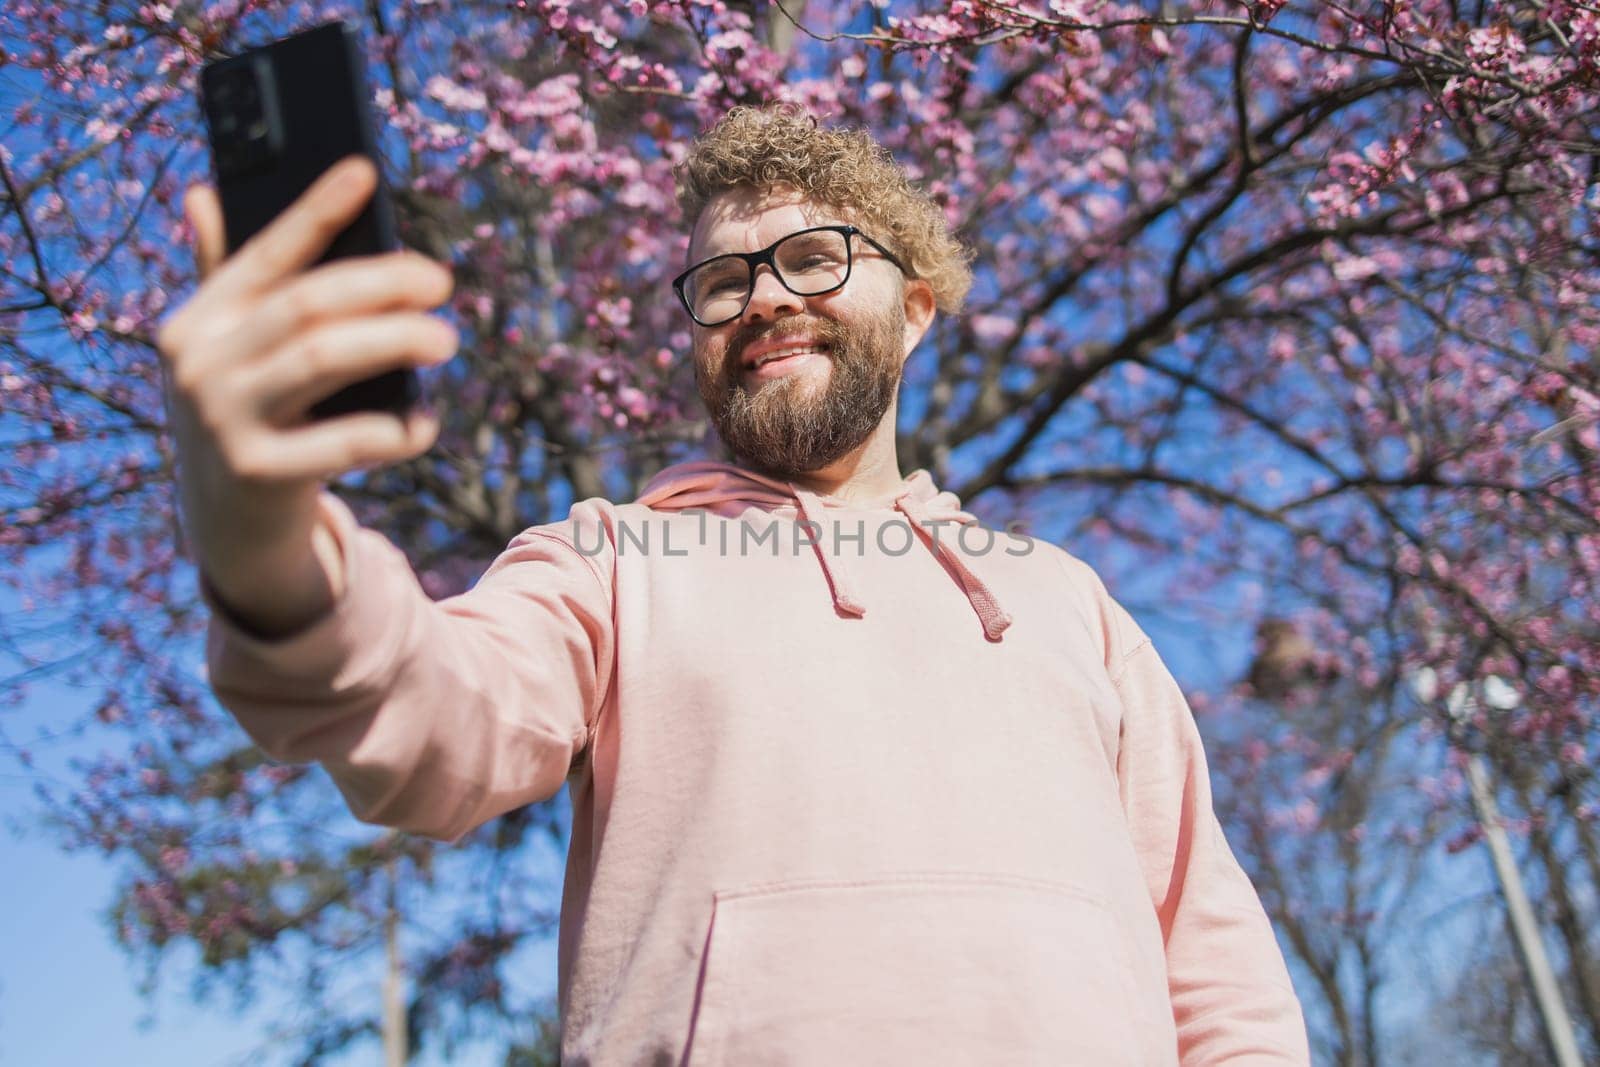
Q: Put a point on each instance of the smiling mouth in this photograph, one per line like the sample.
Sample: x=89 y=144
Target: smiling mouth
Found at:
x=786 y=352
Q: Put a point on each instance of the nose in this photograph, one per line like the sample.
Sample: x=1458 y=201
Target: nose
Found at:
x=768 y=298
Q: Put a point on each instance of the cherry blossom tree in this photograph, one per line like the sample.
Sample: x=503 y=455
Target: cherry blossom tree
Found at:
x=1283 y=310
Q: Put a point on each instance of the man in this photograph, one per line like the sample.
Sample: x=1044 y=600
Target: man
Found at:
x=854 y=780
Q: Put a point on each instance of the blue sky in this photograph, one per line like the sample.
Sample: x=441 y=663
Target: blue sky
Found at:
x=68 y=994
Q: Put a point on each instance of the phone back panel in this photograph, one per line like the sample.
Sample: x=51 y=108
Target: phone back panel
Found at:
x=277 y=118
x=314 y=84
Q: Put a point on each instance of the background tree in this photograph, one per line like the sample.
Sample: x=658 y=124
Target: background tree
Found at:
x=1285 y=311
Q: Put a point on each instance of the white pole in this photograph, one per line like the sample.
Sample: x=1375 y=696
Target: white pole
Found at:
x=1461 y=703
x=395 y=1052
x=1525 y=928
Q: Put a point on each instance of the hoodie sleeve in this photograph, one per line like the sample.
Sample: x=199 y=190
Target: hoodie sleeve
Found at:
x=432 y=717
x=1230 y=990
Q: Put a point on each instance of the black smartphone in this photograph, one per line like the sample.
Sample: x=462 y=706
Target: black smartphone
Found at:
x=277 y=117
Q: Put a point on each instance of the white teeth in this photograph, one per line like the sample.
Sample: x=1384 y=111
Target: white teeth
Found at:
x=785 y=353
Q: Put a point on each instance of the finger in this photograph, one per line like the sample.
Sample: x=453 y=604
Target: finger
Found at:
x=331 y=357
x=204 y=212
x=295 y=239
x=322 y=450
x=348 y=288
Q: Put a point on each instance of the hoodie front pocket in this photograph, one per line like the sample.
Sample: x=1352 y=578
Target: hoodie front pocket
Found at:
x=920 y=968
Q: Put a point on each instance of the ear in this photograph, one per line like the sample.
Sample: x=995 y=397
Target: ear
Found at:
x=919 y=309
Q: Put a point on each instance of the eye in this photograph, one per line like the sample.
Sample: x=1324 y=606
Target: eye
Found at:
x=823 y=251
x=718 y=278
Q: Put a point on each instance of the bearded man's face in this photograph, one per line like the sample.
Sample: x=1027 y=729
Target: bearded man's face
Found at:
x=839 y=355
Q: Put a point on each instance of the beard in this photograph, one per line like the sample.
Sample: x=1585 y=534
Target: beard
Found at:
x=785 y=428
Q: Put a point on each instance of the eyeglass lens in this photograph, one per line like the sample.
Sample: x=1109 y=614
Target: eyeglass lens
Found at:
x=808 y=263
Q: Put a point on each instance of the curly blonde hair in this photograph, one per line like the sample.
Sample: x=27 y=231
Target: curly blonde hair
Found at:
x=845 y=169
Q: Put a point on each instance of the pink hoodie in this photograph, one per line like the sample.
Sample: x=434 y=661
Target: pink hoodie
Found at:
x=851 y=783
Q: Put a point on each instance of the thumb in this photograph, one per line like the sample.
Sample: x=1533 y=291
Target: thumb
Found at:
x=204 y=212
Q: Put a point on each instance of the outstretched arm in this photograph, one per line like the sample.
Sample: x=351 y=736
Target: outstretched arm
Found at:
x=431 y=717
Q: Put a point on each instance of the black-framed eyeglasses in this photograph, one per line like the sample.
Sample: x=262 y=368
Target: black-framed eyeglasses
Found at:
x=807 y=263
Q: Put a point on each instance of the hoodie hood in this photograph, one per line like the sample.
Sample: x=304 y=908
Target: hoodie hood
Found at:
x=725 y=490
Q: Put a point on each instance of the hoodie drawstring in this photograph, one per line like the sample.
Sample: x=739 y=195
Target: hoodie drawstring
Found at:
x=990 y=614
x=994 y=618
x=844 y=596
